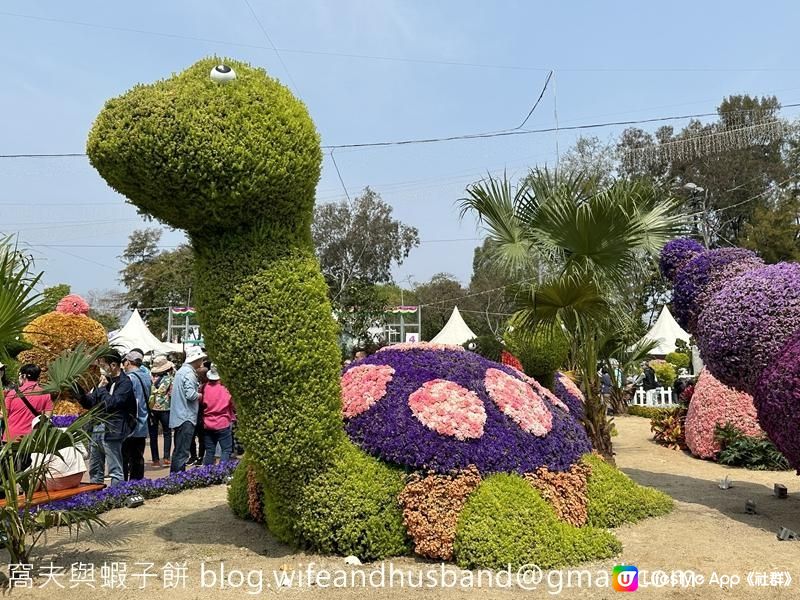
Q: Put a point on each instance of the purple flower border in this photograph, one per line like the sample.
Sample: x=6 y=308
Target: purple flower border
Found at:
x=114 y=497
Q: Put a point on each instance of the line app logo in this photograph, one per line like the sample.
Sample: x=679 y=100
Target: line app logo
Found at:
x=625 y=578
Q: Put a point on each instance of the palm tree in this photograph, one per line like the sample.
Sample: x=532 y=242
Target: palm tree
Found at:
x=21 y=524
x=585 y=241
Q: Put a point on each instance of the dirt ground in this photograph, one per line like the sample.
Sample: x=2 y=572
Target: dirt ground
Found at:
x=708 y=533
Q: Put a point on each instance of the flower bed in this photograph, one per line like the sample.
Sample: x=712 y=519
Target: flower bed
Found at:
x=114 y=497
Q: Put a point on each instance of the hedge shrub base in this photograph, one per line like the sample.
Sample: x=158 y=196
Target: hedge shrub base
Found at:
x=506 y=522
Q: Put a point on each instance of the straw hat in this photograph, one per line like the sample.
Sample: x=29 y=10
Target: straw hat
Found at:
x=161 y=365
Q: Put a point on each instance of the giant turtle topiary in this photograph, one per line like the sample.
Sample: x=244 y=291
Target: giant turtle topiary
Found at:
x=231 y=157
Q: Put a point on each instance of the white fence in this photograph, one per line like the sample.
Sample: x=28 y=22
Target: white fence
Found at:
x=656 y=397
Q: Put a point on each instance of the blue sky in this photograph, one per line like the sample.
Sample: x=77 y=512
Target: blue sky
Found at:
x=612 y=61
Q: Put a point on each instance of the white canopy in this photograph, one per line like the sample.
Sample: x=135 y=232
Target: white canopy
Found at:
x=135 y=334
x=665 y=331
x=455 y=331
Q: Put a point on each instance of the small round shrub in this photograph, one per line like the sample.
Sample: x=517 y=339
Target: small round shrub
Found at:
x=677 y=253
x=237 y=491
x=506 y=521
x=488 y=346
x=353 y=508
x=716 y=404
x=679 y=360
x=745 y=325
x=614 y=498
x=665 y=372
x=712 y=268
x=778 y=401
x=541 y=355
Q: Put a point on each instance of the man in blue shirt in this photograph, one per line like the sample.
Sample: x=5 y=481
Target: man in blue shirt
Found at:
x=183 y=407
x=133 y=446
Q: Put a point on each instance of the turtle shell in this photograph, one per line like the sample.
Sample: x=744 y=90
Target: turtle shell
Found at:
x=441 y=408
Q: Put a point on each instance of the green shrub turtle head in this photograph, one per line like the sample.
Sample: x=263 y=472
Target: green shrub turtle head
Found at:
x=211 y=148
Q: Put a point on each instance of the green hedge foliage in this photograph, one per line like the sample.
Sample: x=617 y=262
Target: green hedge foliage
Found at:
x=200 y=155
x=353 y=508
x=666 y=374
x=237 y=491
x=541 y=355
x=648 y=412
x=614 y=498
x=679 y=360
x=506 y=521
x=487 y=346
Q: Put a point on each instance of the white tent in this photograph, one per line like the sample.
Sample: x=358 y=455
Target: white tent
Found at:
x=135 y=334
x=665 y=331
x=455 y=331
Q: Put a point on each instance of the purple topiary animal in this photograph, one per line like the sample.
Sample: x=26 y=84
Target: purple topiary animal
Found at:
x=746 y=317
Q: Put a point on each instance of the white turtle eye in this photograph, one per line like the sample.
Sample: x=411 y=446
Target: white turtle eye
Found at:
x=222 y=74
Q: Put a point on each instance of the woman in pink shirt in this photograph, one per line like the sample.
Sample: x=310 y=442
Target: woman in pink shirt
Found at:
x=217 y=418
x=20 y=415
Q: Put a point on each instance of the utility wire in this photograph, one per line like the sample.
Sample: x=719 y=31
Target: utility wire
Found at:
x=489 y=134
x=339 y=173
x=427 y=61
x=269 y=39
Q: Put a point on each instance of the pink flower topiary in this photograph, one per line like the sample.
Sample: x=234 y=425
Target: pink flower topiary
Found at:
x=541 y=390
x=716 y=404
x=73 y=305
x=363 y=386
x=448 y=409
x=517 y=400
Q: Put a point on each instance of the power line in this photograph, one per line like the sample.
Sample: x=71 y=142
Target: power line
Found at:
x=269 y=39
x=402 y=59
x=484 y=135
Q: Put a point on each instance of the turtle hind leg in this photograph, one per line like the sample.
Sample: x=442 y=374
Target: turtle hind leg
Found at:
x=507 y=522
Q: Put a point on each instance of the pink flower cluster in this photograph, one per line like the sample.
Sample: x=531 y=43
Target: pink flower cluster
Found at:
x=421 y=346
x=363 y=386
x=541 y=390
x=570 y=386
x=518 y=401
x=448 y=409
x=73 y=305
x=716 y=404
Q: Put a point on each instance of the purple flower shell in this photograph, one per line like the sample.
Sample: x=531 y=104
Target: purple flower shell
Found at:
x=689 y=296
x=777 y=400
x=677 y=253
x=390 y=431
x=744 y=326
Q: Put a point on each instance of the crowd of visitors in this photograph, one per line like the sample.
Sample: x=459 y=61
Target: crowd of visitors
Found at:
x=135 y=403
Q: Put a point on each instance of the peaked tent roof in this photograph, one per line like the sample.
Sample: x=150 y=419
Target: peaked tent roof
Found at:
x=135 y=334
x=665 y=331
x=455 y=331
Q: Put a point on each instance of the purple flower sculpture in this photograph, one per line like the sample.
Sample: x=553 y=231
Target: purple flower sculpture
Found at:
x=442 y=409
x=703 y=275
x=676 y=254
x=777 y=400
x=744 y=326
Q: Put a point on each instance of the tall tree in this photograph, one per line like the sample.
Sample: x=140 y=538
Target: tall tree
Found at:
x=156 y=278
x=592 y=157
x=357 y=245
x=724 y=170
x=360 y=240
x=774 y=230
x=53 y=294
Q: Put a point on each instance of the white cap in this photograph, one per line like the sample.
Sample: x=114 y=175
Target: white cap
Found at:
x=194 y=353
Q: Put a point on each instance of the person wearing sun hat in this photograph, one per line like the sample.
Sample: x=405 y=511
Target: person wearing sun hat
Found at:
x=163 y=372
x=183 y=407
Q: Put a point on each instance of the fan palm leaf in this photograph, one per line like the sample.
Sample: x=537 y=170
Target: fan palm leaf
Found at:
x=19 y=302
